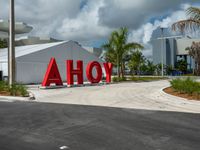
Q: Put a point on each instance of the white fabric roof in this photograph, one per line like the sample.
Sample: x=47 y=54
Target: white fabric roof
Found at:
x=24 y=50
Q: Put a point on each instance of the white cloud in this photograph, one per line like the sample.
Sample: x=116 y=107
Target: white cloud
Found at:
x=85 y=26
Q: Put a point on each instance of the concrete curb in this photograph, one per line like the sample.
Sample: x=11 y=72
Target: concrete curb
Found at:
x=172 y=96
x=31 y=97
x=14 y=98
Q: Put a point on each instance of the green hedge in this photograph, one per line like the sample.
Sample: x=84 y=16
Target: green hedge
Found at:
x=119 y=79
x=137 y=79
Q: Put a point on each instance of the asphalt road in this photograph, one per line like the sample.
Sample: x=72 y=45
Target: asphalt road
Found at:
x=38 y=126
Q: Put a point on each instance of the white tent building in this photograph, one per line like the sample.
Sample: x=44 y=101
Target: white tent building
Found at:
x=32 y=60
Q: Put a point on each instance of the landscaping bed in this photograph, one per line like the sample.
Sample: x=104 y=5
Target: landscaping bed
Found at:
x=185 y=88
x=171 y=91
x=14 y=90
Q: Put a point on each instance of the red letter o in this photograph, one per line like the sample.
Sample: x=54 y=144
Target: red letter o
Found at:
x=89 y=69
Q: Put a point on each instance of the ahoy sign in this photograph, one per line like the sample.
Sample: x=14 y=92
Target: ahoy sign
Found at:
x=52 y=75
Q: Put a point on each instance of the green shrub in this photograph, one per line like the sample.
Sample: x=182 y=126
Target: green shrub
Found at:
x=23 y=90
x=123 y=79
x=187 y=85
x=115 y=79
x=4 y=86
x=119 y=79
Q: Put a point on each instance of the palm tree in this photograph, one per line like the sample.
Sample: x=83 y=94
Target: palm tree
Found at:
x=192 y=23
x=118 y=48
x=137 y=60
x=194 y=52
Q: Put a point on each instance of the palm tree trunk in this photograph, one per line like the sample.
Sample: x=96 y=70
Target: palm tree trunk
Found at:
x=118 y=66
x=122 y=72
x=122 y=69
x=139 y=70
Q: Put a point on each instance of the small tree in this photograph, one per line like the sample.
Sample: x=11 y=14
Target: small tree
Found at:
x=169 y=69
x=150 y=67
x=181 y=65
x=194 y=52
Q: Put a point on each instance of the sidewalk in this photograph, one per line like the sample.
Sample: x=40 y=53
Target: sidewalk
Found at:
x=145 y=95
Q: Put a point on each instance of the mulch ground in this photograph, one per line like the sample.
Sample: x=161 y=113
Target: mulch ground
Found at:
x=4 y=93
x=171 y=91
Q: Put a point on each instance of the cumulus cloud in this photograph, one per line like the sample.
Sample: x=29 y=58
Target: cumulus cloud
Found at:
x=85 y=26
x=88 y=20
x=133 y=14
x=44 y=15
x=144 y=33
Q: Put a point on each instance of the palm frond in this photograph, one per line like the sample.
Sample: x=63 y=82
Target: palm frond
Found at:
x=194 y=13
x=182 y=25
x=130 y=46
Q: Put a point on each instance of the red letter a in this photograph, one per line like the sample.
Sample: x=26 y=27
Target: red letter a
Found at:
x=108 y=69
x=52 y=75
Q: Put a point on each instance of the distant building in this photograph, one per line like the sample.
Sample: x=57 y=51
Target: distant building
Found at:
x=173 y=49
x=95 y=51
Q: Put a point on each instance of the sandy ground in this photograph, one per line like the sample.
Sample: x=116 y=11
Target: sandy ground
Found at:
x=145 y=95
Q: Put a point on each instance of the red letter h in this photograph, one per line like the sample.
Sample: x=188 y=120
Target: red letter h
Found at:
x=71 y=72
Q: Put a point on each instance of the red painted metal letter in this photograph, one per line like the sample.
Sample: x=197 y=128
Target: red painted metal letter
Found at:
x=108 y=69
x=71 y=72
x=89 y=69
x=52 y=74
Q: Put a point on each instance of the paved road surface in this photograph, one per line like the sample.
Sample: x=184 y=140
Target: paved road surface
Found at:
x=42 y=126
x=145 y=95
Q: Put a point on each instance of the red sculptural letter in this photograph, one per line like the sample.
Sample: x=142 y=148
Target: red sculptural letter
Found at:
x=52 y=74
x=89 y=69
x=108 y=69
x=71 y=72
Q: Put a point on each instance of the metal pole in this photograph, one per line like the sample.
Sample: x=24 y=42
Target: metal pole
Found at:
x=11 y=50
x=162 y=50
